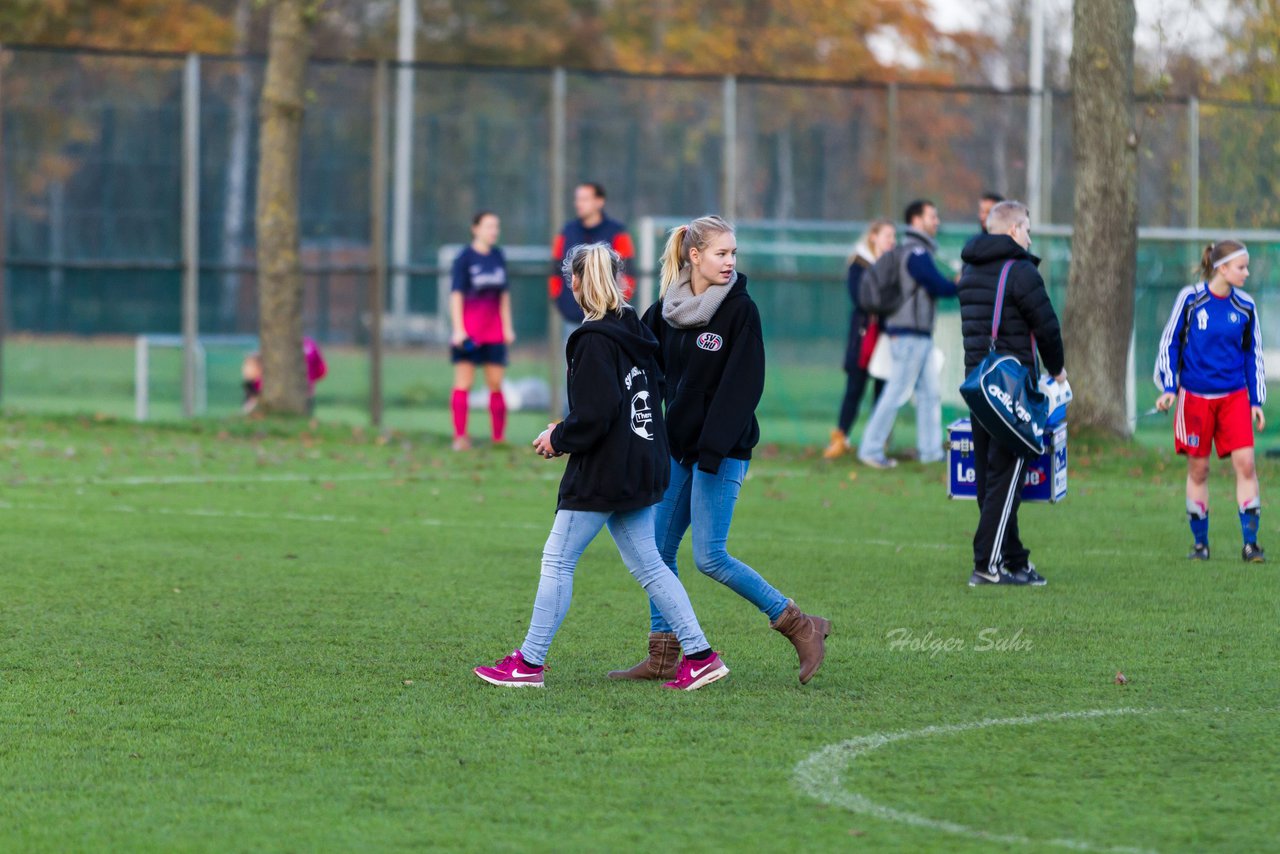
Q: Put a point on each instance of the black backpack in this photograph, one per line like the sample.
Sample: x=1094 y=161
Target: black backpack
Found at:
x=880 y=289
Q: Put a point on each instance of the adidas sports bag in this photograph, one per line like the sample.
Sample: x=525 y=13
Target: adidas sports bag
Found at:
x=1004 y=396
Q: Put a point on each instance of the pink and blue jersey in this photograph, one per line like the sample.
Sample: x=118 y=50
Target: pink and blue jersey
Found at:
x=1212 y=345
x=481 y=279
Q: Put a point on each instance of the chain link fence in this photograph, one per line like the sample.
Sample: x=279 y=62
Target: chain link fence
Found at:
x=92 y=161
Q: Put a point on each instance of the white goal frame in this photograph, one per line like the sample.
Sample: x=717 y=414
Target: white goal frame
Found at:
x=142 y=347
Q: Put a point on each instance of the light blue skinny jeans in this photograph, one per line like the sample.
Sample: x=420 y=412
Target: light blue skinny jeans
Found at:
x=632 y=531
x=705 y=502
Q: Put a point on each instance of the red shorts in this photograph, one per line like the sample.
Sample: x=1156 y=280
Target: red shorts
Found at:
x=1223 y=421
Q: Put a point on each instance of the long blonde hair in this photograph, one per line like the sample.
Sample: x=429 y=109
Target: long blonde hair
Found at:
x=596 y=267
x=864 y=242
x=697 y=234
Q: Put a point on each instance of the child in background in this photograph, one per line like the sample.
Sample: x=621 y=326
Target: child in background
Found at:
x=480 y=309
x=251 y=374
x=617 y=471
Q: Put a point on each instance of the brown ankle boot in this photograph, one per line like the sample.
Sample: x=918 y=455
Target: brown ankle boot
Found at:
x=664 y=658
x=809 y=636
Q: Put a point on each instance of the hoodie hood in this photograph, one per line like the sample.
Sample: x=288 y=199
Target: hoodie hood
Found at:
x=625 y=328
x=990 y=248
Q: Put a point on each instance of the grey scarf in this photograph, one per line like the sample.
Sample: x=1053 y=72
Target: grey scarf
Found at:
x=683 y=310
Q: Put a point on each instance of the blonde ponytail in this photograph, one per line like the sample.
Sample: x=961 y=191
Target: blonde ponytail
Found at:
x=695 y=235
x=596 y=267
x=673 y=258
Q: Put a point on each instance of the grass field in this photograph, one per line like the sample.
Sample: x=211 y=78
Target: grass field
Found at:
x=236 y=636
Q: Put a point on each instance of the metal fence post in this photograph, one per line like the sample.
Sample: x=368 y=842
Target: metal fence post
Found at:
x=555 y=326
x=1193 y=162
x=729 y=205
x=378 y=240
x=1046 y=158
x=190 y=231
x=402 y=190
x=891 y=153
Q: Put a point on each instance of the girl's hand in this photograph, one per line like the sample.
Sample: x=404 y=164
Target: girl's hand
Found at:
x=1259 y=420
x=1165 y=401
x=509 y=336
x=458 y=337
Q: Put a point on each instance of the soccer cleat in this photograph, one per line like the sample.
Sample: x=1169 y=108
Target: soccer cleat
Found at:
x=1253 y=553
x=1200 y=552
x=512 y=672
x=693 y=674
x=980 y=578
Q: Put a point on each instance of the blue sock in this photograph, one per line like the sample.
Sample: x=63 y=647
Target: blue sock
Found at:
x=1198 y=516
x=1250 y=516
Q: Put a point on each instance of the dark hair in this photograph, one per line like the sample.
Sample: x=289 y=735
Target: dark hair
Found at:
x=1215 y=252
x=989 y=196
x=475 y=220
x=598 y=189
x=916 y=209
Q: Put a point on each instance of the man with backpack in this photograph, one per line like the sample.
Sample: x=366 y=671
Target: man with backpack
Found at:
x=903 y=287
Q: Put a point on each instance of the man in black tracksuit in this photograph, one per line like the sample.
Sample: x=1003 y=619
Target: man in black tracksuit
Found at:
x=999 y=556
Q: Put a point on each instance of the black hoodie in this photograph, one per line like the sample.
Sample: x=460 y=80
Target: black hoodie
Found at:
x=714 y=380
x=614 y=433
x=1027 y=309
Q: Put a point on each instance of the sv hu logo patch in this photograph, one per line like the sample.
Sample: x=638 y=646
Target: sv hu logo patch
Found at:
x=710 y=341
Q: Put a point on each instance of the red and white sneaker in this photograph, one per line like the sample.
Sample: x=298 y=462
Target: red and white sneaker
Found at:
x=692 y=674
x=512 y=672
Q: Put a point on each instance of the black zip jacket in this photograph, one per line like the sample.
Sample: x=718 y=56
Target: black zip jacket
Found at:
x=618 y=457
x=1027 y=309
x=714 y=380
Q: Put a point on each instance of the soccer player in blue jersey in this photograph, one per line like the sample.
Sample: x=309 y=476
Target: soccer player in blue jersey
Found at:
x=1210 y=366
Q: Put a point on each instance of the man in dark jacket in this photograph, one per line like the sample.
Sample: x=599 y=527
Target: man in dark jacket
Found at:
x=1027 y=320
x=590 y=225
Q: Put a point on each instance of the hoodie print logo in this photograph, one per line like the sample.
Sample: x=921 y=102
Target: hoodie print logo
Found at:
x=710 y=341
x=642 y=416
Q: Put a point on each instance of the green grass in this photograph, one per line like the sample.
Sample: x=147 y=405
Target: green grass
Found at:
x=236 y=636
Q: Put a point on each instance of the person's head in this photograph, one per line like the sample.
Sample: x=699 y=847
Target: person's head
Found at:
x=707 y=244
x=986 y=202
x=1228 y=259
x=922 y=216
x=878 y=239
x=1011 y=218
x=485 y=228
x=593 y=270
x=588 y=201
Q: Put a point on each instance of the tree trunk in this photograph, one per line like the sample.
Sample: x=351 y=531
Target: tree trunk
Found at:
x=1100 y=293
x=284 y=378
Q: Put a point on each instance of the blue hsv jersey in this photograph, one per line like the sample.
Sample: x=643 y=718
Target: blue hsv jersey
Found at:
x=1212 y=345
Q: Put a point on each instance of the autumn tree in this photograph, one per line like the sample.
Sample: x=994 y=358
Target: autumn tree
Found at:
x=284 y=378
x=1100 y=292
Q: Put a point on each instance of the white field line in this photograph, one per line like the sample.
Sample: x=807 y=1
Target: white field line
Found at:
x=329 y=519
x=299 y=477
x=821 y=776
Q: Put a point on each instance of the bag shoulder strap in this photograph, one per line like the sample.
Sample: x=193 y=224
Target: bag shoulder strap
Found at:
x=995 y=319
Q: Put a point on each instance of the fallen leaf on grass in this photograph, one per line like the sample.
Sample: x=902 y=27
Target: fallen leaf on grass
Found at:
x=408 y=681
x=1120 y=678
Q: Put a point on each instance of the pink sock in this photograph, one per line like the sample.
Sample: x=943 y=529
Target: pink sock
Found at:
x=498 y=413
x=459 y=412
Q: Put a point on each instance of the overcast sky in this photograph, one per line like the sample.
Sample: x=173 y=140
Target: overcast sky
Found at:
x=1168 y=23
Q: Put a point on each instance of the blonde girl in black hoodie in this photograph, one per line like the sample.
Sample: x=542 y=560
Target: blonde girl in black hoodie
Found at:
x=617 y=472
x=711 y=349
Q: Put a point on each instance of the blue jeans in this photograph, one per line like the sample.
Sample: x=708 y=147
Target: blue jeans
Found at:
x=910 y=374
x=706 y=501
x=632 y=531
